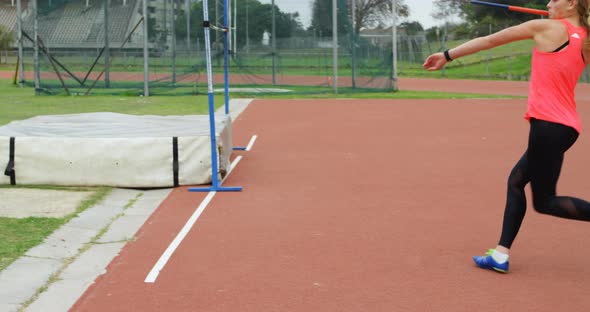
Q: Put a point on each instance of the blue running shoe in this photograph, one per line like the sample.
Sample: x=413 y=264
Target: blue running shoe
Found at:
x=487 y=262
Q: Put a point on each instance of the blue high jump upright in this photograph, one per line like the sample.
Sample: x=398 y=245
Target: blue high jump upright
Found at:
x=215 y=183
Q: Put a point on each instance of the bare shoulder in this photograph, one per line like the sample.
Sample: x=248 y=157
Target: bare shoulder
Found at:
x=547 y=33
x=543 y=25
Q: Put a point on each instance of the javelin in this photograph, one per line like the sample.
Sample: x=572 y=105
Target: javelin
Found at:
x=512 y=8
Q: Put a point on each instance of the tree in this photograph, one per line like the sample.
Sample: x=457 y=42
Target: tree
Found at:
x=479 y=14
x=372 y=13
x=443 y=9
x=253 y=17
x=412 y=28
x=368 y=14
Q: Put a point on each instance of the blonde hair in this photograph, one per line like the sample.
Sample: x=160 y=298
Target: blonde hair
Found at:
x=582 y=9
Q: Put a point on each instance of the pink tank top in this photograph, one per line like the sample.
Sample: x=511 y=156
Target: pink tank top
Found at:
x=553 y=80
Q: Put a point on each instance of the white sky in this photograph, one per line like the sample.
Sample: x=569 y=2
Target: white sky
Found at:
x=419 y=10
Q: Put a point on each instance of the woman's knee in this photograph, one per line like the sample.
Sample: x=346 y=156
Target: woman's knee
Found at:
x=542 y=204
x=517 y=180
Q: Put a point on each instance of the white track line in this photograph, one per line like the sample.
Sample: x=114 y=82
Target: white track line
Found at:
x=153 y=275
x=251 y=143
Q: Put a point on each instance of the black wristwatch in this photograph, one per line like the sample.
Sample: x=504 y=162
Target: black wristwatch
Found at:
x=447 y=56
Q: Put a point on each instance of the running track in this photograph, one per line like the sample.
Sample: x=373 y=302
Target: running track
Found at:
x=360 y=205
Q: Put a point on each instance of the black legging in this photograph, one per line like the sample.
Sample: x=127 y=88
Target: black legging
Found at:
x=541 y=165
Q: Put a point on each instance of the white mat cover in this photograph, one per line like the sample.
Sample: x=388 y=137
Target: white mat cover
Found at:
x=113 y=149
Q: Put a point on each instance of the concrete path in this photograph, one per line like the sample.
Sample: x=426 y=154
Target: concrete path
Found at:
x=71 y=258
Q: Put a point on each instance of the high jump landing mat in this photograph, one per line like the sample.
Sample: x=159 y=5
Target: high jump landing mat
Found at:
x=113 y=149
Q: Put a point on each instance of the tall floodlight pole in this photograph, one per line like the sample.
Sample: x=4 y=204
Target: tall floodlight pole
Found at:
x=19 y=38
x=228 y=18
x=335 y=44
x=188 y=25
x=394 y=44
x=107 y=55
x=36 y=49
x=173 y=39
x=274 y=46
x=165 y=18
x=247 y=31
x=353 y=44
x=146 y=91
x=235 y=26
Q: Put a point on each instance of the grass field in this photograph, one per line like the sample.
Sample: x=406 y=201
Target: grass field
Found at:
x=21 y=103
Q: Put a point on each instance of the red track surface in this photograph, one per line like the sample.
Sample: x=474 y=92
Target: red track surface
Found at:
x=361 y=205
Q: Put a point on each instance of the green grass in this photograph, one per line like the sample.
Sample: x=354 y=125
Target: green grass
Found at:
x=21 y=103
x=17 y=236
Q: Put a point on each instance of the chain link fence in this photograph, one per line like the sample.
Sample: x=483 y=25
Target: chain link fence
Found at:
x=90 y=47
